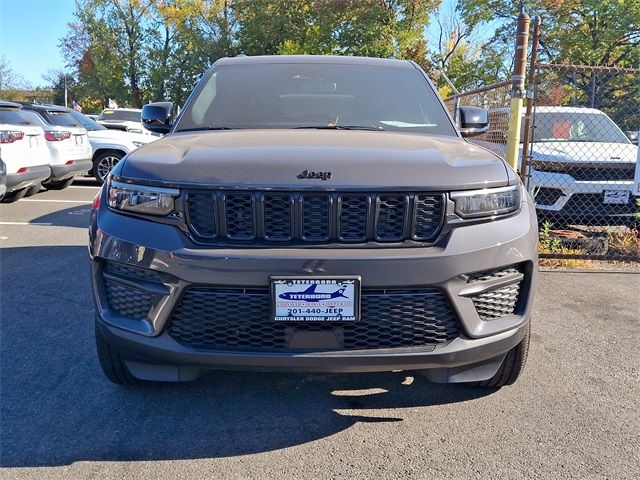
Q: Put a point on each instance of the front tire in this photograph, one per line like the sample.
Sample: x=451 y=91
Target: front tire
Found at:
x=112 y=363
x=512 y=365
x=104 y=163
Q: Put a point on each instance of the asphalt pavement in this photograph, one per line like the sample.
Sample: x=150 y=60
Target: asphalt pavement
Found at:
x=573 y=414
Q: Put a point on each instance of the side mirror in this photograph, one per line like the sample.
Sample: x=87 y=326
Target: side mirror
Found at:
x=632 y=136
x=157 y=117
x=473 y=121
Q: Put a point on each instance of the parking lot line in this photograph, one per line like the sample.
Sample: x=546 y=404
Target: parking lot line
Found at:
x=54 y=201
x=25 y=223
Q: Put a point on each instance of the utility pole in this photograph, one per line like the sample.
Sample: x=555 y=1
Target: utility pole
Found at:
x=65 y=90
x=517 y=90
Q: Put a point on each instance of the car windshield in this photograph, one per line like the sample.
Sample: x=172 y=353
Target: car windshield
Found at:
x=316 y=95
x=13 y=116
x=57 y=117
x=576 y=127
x=120 y=115
x=89 y=124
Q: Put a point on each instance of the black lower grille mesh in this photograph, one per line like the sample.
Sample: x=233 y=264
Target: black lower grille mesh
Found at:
x=127 y=301
x=206 y=318
x=499 y=302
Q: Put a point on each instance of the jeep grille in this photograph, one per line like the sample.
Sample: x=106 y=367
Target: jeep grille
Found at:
x=313 y=217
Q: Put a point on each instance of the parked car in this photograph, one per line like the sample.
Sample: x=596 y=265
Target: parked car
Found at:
x=67 y=141
x=3 y=177
x=108 y=146
x=126 y=119
x=24 y=152
x=632 y=135
x=582 y=165
x=313 y=213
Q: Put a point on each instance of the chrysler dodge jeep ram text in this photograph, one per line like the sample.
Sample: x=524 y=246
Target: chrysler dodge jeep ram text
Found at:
x=313 y=214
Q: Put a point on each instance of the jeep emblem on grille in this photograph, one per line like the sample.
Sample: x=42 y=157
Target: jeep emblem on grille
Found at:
x=314 y=175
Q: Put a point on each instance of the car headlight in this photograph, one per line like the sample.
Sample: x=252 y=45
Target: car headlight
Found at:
x=142 y=199
x=138 y=144
x=487 y=202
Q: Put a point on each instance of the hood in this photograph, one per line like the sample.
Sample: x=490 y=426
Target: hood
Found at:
x=584 y=152
x=122 y=136
x=356 y=159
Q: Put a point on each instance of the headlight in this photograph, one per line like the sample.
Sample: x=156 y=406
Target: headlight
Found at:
x=487 y=202
x=138 y=144
x=142 y=199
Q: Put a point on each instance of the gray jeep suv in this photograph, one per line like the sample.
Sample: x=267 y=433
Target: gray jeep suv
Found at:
x=313 y=214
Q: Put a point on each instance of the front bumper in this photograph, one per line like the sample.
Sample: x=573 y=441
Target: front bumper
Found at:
x=64 y=172
x=33 y=175
x=165 y=250
x=563 y=197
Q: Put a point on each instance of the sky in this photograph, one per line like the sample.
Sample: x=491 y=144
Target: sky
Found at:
x=30 y=31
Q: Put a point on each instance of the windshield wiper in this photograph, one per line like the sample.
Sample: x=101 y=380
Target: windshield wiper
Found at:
x=342 y=127
x=212 y=127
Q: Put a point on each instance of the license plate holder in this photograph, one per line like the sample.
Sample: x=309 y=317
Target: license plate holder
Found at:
x=315 y=299
x=616 y=197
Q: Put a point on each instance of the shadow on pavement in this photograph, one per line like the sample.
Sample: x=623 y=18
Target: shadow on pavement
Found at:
x=76 y=217
x=57 y=408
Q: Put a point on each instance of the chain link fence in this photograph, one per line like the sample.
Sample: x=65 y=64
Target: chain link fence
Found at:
x=581 y=163
x=494 y=98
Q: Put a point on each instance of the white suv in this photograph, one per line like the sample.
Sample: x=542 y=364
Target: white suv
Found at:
x=67 y=141
x=125 y=119
x=109 y=146
x=582 y=165
x=24 y=151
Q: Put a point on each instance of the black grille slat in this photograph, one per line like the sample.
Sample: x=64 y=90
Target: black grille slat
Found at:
x=428 y=216
x=314 y=217
x=353 y=217
x=202 y=214
x=391 y=211
x=207 y=318
x=132 y=273
x=278 y=218
x=239 y=214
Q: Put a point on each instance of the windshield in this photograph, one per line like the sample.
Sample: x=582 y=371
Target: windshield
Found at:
x=120 y=115
x=576 y=127
x=89 y=124
x=318 y=95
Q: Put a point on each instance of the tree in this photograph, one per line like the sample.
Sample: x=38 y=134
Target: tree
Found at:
x=457 y=50
x=586 y=32
x=117 y=31
x=391 y=28
x=97 y=68
x=195 y=33
x=58 y=80
x=10 y=79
